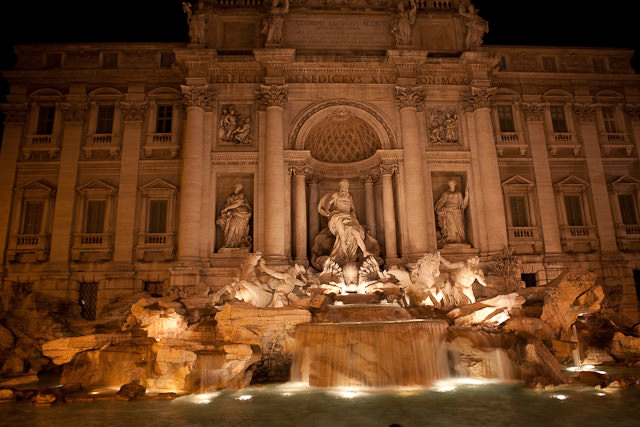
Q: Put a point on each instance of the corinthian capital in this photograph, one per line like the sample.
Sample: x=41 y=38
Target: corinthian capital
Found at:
x=198 y=96
x=73 y=111
x=409 y=97
x=585 y=112
x=533 y=112
x=478 y=98
x=14 y=113
x=298 y=170
x=272 y=95
x=388 y=169
x=133 y=111
x=633 y=110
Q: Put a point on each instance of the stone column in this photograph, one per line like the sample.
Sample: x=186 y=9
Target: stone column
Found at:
x=299 y=214
x=587 y=123
x=478 y=104
x=370 y=213
x=197 y=99
x=390 y=244
x=15 y=117
x=410 y=99
x=272 y=99
x=314 y=199
x=133 y=115
x=534 y=114
x=74 y=115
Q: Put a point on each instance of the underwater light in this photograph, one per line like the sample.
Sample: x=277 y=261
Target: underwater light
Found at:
x=244 y=397
x=560 y=396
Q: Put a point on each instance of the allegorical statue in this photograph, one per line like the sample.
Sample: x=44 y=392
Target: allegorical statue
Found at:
x=197 y=22
x=450 y=213
x=403 y=22
x=476 y=27
x=273 y=24
x=234 y=219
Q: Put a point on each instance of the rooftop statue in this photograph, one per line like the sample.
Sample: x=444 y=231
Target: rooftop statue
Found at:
x=197 y=21
x=450 y=213
x=272 y=25
x=403 y=23
x=476 y=27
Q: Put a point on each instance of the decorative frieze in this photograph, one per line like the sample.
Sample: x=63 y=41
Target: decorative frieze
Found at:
x=73 y=111
x=133 y=111
x=633 y=110
x=443 y=127
x=409 y=97
x=585 y=112
x=533 y=112
x=272 y=95
x=15 y=113
x=478 y=98
x=198 y=96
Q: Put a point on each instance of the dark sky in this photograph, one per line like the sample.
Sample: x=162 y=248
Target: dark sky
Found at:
x=534 y=22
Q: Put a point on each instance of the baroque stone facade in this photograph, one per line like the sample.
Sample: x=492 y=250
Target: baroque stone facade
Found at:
x=113 y=180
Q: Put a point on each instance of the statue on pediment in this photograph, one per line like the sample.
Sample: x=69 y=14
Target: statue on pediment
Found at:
x=272 y=25
x=476 y=27
x=403 y=23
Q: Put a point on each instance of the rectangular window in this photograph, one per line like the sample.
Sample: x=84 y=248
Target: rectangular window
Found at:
x=164 y=118
x=529 y=279
x=609 y=117
x=573 y=208
x=627 y=209
x=94 y=221
x=167 y=59
x=45 y=120
x=549 y=64
x=505 y=115
x=154 y=288
x=109 y=60
x=88 y=299
x=32 y=217
x=53 y=60
x=558 y=119
x=518 y=207
x=158 y=216
x=104 y=122
x=599 y=66
x=636 y=279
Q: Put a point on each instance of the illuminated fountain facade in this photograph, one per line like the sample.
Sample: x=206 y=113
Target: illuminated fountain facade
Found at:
x=297 y=154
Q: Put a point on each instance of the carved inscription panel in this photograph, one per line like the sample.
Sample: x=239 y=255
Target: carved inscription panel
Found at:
x=341 y=31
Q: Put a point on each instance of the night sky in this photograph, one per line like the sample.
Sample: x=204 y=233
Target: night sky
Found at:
x=536 y=22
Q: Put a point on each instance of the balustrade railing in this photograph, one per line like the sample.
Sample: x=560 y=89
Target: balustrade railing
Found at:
x=524 y=233
x=578 y=232
x=27 y=240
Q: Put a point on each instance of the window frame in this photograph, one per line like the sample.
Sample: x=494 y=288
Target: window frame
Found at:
x=156 y=189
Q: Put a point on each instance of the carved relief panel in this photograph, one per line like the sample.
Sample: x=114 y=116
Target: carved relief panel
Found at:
x=442 y=127
x=235 y=126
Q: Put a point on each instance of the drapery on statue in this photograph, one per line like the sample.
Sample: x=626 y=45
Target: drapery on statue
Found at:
x=197 y=21
x=272 y=25
x=343 y=223
x=450 y=213
x=234 y=220
x=476 y=27
x=403 y=23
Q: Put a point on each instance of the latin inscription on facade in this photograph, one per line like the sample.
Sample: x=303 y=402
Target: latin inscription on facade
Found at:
x=332 y=31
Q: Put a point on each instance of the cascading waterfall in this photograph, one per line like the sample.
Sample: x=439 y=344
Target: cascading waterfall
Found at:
x=370 y=354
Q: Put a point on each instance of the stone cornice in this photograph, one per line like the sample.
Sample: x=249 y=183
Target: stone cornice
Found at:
x=198 y=96
x=478 y=98
x=272 y=95
x=409 y=97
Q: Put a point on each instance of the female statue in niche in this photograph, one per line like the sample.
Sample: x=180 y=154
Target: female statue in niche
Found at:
x=234 y=219
x=450 y=213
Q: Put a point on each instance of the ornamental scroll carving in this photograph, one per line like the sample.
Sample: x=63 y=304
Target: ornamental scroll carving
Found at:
x=633 y=110
x=585 y=112
x=478 y=98
x=443 y=127
x=533 y=112
x=14 y=113
x=73 y=111
x=272 y=95
x=409 y=97
x=133 y=111
x=198 y=96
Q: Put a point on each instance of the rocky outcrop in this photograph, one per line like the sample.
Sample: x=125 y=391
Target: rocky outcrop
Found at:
x=625 y=347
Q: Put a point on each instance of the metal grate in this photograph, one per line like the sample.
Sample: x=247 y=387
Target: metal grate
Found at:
x=88 y=299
